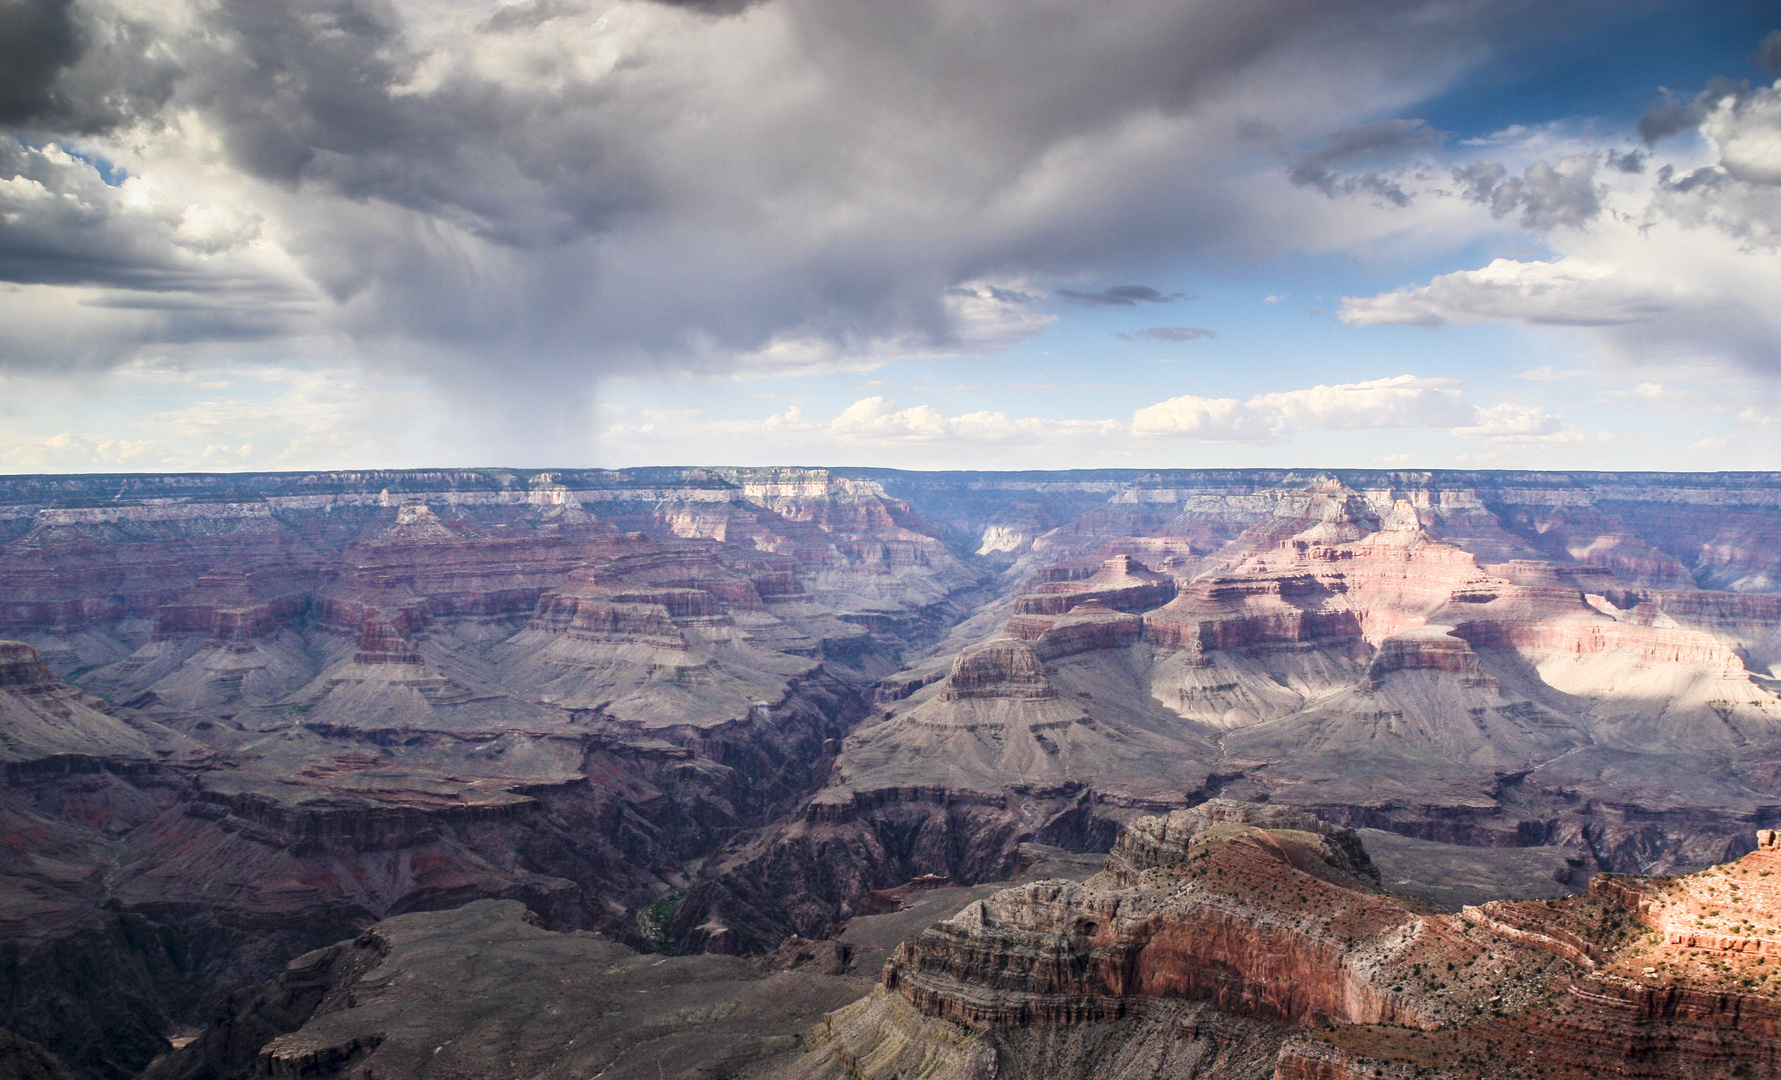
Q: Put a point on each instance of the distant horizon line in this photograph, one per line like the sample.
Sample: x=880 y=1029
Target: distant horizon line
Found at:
x=1107 y=472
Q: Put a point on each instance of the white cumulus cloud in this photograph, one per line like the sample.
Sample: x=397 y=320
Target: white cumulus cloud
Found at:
x=879 y=420
x=1398 y=402
x=1209 y=420
x=1569 y=292
x=1516 y=423
x=1402 y=401
x=1678 y=262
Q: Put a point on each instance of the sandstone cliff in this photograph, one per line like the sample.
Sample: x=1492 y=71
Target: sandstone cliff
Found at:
x=1259 y=935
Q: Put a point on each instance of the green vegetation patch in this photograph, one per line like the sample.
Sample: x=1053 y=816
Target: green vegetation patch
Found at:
x=652 y=921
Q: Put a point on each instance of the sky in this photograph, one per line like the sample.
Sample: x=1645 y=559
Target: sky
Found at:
x=933 y=234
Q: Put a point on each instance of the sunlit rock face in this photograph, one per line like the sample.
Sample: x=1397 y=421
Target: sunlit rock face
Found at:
x=1262 y=936
x=1494 y=660
x=263 y=712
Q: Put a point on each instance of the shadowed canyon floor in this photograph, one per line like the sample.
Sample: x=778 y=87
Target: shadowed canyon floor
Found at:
x=703 y=711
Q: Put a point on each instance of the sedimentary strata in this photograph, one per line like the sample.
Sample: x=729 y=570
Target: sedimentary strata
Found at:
x=1260 y=934
x=266 y=711
x=296 y=713
x=1408 y=652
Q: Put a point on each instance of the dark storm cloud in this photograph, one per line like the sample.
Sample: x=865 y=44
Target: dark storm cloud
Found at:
x=1120 y=296
x=1386 y=141
x=571 y=188
x=311 y=93
x=1166 y=334
x=1672 y=115
x=37 y=40
x=67 y=70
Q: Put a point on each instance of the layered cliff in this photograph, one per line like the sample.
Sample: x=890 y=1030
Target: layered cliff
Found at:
x=352 y=696
x=349 y=695
x=1261 y=930
x=1414 y=652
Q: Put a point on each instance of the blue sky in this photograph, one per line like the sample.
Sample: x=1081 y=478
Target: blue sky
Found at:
x=948 y=235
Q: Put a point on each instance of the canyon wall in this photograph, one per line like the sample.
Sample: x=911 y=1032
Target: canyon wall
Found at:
x=242 y=722
x=705 y=709
x=1256 y=937
x=1487 y=659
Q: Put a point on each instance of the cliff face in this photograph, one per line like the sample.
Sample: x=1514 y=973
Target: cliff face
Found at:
x=1484 y=659
x=1271 y=919
x=1281 y=921
x=345 y=697
x=268 y=710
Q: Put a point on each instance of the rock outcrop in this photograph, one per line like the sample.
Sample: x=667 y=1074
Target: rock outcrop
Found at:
x=1269 y=923
x=998 y=670
x=1121 y=583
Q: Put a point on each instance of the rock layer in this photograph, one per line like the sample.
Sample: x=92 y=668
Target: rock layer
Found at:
x=366 y=695
x=296 y=704
x=1271 y=918
x=1411 y=653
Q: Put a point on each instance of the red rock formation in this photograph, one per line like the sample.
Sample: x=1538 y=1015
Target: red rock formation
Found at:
x=1269 y=914
x=998 y=670
x=1733 y=910
x=1089 y=625
x=1280 y=921
x=1121 y=583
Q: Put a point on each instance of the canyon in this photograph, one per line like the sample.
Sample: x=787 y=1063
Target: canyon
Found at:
x=730 y=734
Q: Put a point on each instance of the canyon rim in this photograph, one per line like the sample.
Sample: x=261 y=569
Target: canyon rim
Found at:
x=689 y=770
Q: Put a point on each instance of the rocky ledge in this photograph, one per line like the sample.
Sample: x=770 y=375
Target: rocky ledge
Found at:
x=1264 y=930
